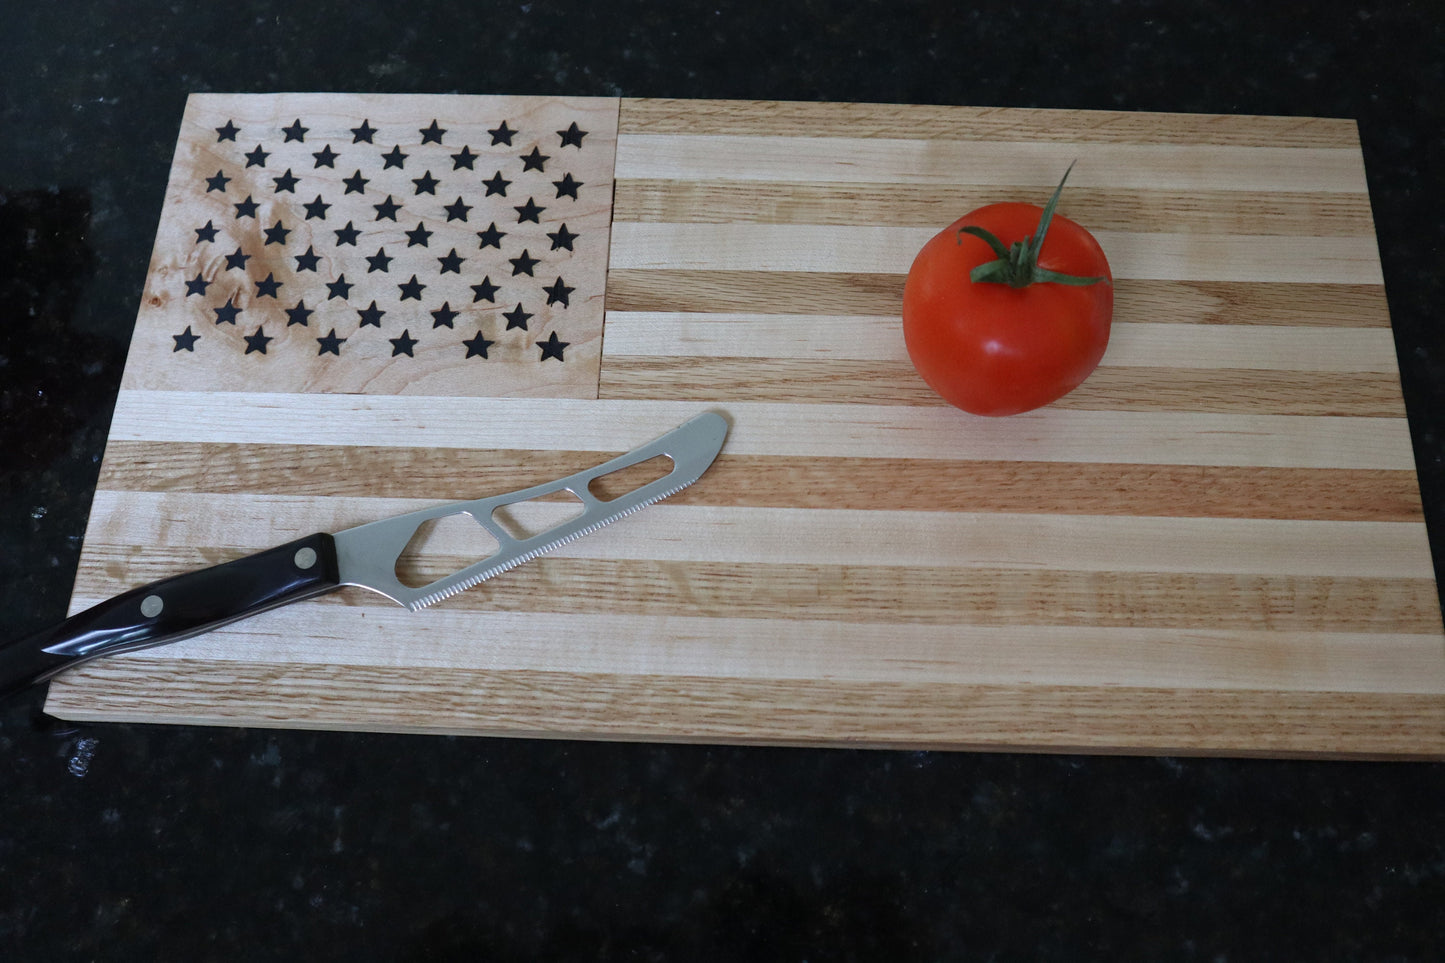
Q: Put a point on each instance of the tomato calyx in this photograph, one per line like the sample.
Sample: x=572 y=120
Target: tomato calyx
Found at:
x=1018 y=264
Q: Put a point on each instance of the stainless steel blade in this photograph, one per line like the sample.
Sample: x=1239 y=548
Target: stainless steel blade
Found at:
x=367 y=555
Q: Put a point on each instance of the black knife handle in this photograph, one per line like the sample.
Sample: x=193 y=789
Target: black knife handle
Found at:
x=174 y=608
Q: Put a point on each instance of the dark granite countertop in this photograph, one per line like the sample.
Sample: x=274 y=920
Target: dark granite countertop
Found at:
x=122 y=842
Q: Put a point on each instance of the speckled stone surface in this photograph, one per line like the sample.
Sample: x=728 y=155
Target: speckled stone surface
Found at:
x=121 y=842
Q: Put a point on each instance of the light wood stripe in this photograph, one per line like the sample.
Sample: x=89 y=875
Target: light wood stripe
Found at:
x=869 y=338
x=881 y=295
x=780 y=481
x=891 y=250
x=757 y=711
x=784 y=159
x=932 y=122
x=858 y=594
x=868 y=431
x=690 y=533
x=936 y=206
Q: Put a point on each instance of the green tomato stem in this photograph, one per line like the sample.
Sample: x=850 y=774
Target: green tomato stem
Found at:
x=1018 y=265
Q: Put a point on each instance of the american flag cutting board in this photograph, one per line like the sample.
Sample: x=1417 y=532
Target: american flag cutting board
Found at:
x=360 y=305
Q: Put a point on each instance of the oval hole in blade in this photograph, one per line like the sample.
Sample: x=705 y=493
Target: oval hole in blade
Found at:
x=442 y=546
x=523 y=520
x=617 y=483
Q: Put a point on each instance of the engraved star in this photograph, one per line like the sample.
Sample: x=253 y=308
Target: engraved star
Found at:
x=268 y=287
x=562 y=238
x=316 y=209
x=535 y=161
x=572 y=135
x=552 y=347
x=558 y=292
x=227 y=313
x=325 y=157
x=207 y=233
x=300 y=314
x=403 y=344
x=418 y=235
x=523 y=264
x=246 y=208
x=496 y=184
x=394 y=158
x=309 y=260
x=426 y=184
x=387 y=209
x=257 y=157
x=491 y=237
x=362 y=135
x=286 y=182
x=529 y=211
x=502 y=135
x=486 y=291
x=295 y=132
x=330 y=344
x=370 y=315
x=477 y=347
x=464 y=158
x=197 y=285
x=186 y=341
x=567 y=186
x=517 y=318
x=347 y=235
x=228 y=132
x=217 y=183
x=355 y=184
x=258 y=341
x=451 y=263
x=443 y=316
x=432 y=134
x=379 y=261
x=237 y=261
x=340 y=288
x=457 y=211
x=411 y=290
x=276 y=233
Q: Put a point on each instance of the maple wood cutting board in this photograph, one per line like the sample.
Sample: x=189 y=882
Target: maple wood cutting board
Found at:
x=359 y=305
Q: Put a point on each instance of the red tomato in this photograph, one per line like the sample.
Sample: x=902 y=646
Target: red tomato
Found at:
x=991 y=348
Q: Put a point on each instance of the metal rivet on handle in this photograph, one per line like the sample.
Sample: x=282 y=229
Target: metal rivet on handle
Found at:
x=305 y=557
x=151 y=606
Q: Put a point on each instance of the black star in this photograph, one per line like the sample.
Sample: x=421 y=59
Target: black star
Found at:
x=207 y=233
x=355 y=184
x=257 y=157
x=491 y=237
x=330 y=344
x=464 y=158
x=185 y=341
x=197 y=285
x=456 y=211
x=477 y=347
x=379 y=261
x=552 y=347
x=523 y=264
x=258 y=341
x=443 y=316
x=316 y=209
x=300 y=314
x=411 y=290
x=387 y=209
x=217 y=183
x=237 y=261
x=418 y=235
x=486 y=291
x=534 y=161
x=558 y=293
x=371 y=315
x=276 y=233
x=286 y=182
x=496 y=184
x=562 y=238
x=502 y=135
x=403 y=344
x=451 y=263
x=517 y=318
x=309 y=260
x=567 y=186
x=227 y=313
x=362 y=134
x=340 y=288
x=529 y=212
x=295 y=132
x=572 y=135
x=394 y=158
x=432 y=134
x=325 y=157
x=227 y=132
x=268 y=287
x=347 y=235
x=425 y=184
x=246 y=208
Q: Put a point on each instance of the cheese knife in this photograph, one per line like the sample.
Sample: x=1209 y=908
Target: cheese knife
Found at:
x=366 y=556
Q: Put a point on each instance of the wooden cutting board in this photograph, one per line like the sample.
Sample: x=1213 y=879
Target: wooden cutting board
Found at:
x=360 y=305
